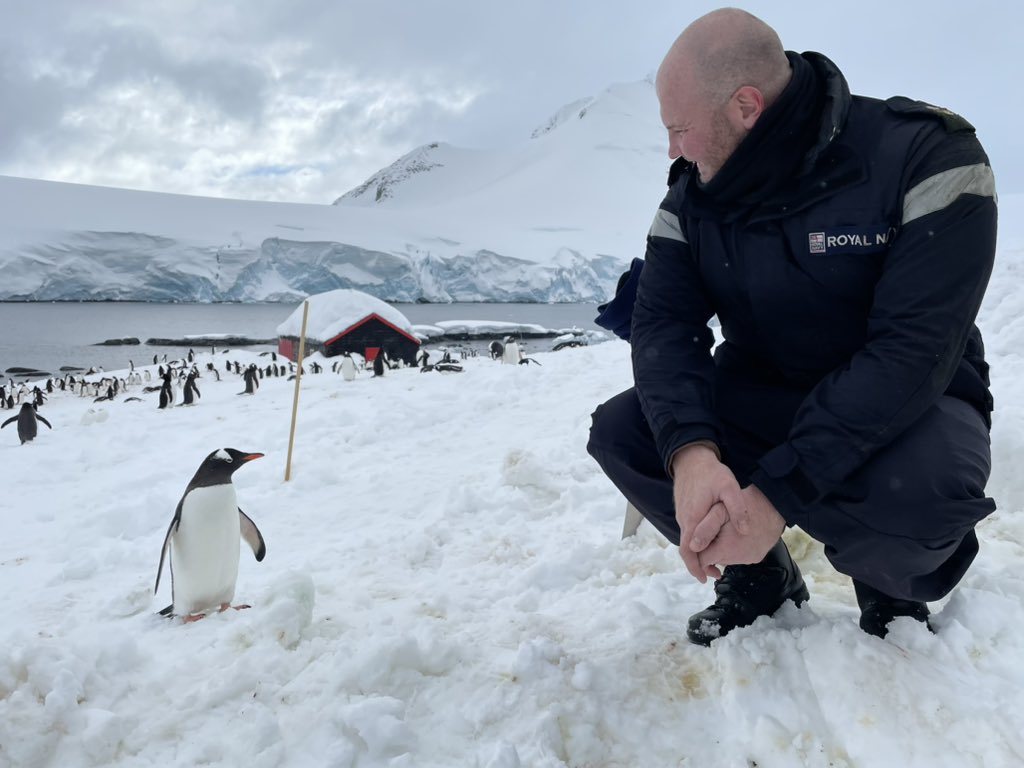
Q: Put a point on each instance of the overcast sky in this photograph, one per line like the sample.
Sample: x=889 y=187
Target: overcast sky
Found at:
x=301 y=100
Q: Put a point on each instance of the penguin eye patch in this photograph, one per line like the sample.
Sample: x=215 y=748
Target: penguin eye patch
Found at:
x=224 y=456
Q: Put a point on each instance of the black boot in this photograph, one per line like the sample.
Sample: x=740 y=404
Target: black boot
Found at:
x=878 y=609
x=747 y=591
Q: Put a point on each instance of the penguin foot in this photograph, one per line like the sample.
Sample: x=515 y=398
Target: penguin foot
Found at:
x=193 y=617
x=225 y=606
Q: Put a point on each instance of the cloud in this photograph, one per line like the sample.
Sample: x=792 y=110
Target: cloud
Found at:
x=197 y=97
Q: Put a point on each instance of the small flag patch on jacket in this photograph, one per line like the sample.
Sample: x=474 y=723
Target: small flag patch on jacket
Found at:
x=871 y=238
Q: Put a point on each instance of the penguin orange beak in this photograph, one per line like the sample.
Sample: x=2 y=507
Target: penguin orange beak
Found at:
x=251 y=456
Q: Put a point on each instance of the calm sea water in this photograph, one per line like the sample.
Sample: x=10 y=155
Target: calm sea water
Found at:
x=46 y=336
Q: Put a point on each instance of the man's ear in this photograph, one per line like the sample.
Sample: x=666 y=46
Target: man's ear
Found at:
x=748 y=104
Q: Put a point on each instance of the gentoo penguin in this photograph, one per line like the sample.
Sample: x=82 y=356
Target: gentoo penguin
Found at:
x=203 y=539
x=190 y=389
x=348 y=367
x=251 y=379
x=449 y=367
x=512 y=354
x=166 y=391
x=381 y=363
x=27 y=418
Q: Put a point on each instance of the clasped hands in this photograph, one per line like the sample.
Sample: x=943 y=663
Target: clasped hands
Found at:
x=719 y=522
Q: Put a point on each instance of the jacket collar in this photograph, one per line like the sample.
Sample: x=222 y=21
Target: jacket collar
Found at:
x=825 y=168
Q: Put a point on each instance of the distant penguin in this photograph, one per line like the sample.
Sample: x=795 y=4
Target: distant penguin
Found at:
x=166 y=392
x=348 y=367
x=27 y=418
x=497 y=349
x=448 y=368
x=251 y=379
x=203 y=539
x=512 y=354
x=380 y=363
x=190 y=389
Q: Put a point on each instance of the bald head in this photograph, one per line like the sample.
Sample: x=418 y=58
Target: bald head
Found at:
x=717 y=79
x=724 y=50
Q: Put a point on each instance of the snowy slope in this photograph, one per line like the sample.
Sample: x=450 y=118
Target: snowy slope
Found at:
x=445 y=586
x=554 y=218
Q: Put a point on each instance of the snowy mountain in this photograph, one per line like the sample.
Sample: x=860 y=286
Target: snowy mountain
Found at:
x=553 y=219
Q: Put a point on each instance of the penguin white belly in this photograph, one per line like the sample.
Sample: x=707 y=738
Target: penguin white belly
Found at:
x=348 y=369
x=205 y=549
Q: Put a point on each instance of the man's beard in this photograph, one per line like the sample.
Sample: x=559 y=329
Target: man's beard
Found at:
x=727 y=138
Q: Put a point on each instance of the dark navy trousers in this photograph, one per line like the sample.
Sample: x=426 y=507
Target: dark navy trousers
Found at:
x=903 y=523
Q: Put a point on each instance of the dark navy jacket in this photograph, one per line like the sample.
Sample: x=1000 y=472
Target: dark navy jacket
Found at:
x=857 y=284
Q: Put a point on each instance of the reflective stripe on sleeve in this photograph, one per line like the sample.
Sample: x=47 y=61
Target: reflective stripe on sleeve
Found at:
x=936 y=192
x=666 y=225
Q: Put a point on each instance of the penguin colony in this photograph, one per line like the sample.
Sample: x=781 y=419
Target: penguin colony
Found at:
x=176 y=382
x=202 y=544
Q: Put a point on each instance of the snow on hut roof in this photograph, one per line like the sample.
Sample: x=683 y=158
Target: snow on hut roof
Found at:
x=332 y=312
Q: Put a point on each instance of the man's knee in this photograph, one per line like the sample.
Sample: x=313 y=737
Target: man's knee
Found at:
x=929 y=484
x=904 y=523
x=902 y=567
x=615 y=424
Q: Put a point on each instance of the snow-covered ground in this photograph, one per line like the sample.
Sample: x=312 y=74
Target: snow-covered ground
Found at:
x=445 y=586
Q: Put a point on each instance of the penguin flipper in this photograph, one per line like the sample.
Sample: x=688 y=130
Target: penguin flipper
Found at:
x=252 y=536
x=167 y=545
x=9 y=421
x=40 y=418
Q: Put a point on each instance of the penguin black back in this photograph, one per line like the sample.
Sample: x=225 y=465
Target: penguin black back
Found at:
x=27 y=419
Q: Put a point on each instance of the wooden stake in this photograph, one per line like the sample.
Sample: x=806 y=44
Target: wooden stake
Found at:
x=295 y=401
